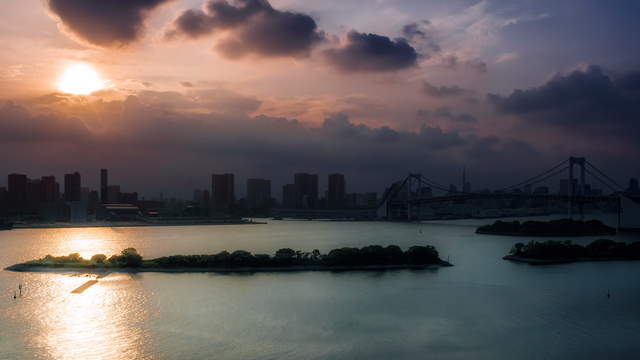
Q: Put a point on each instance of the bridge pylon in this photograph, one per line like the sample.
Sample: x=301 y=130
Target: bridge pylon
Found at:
x=580 y=162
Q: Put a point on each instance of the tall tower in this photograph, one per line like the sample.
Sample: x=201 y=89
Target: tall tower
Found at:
x=72 y=187
x=104 y=185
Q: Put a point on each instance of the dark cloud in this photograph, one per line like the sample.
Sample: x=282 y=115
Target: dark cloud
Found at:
x=453 y=62
x=441 y=91
x=446 y=114
x=104 y=23
x=158 y=135
x=187 y=84
x=251 y=27
x=372 y=53
x=422 y=35
x=587 y=101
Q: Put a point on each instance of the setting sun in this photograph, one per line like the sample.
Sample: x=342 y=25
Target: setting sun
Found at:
x=80 y=79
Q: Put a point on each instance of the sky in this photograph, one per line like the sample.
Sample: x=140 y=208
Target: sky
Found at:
x=373 y=89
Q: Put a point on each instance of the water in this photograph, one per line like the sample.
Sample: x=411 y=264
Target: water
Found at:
x=483 y=308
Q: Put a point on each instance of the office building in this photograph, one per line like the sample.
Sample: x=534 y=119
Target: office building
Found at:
x=222 y=191
x=17 y=192
x=291 y=198
x=258 y=193
x=113 y=194
x=104 y=185
x=72 y=187
x=308 y=187
x=337 y=191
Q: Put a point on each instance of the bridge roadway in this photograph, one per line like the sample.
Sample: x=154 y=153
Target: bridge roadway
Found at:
x=479 y=196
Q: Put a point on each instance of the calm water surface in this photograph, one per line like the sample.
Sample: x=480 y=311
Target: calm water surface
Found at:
x=483 y=308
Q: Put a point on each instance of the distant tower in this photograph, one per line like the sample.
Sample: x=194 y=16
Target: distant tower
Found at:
x=72 y=187
x=104 y=185
x=466 y=185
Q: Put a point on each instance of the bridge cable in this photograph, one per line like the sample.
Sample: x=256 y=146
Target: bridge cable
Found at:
x=535 y=177
x=620 y=188
x=612 y=188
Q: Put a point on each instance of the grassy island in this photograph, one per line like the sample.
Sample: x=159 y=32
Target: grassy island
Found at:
x=564 y=227
x=343 y=259
x=554 y=252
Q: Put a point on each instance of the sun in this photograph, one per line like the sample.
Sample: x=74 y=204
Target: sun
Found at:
x=80 y=79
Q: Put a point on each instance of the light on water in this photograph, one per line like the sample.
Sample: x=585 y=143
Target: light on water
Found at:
x=482 y=308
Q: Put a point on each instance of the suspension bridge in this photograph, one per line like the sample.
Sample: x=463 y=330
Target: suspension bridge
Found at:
x=412 y=198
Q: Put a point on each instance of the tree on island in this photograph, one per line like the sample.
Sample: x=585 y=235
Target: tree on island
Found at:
x=129 y=257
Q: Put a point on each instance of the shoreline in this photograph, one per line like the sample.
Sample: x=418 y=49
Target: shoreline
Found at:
x=185 y=270
x=502 y=233
x=533 y=261
x=127 y=224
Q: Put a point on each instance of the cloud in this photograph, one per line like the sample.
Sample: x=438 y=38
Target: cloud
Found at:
x=372 y=53
x=441 y=91
x=506 y=57
x=587 y=101
x=422 y=35
x=104 y=23
x=446 y=114
x=160 y=135
x=250 y=27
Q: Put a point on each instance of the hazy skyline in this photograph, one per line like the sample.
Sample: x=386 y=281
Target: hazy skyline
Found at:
x=371 y=89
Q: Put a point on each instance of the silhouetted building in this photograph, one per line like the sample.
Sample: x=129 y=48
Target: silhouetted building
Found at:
x=93 y=201
x=4 y=201
x=34 y=195
x=72 y=187
x=424 y=192
x=104 y=185
x=541 y=190
x=337 y=191
x=308 y=187
x=113 y=194
x=291 y=197
x=633 y=189
x=466 y=185
x=258 y=193
x=128 y=198
x=17 y=192
x=564 y=187
x=50 y=189
x=453 y=190
x=222 y=191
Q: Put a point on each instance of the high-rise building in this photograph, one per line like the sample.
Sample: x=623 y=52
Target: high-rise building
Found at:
x=564 y=187
x=3 y=201
x=72 y=187
x=104 y=185
x=291 y=198
x=634 y=188
x=50 y=189
x=17 y=192
x=337 y=191
x=308 y=187
x=466 y=184
x=222 y=190
x=258 y=193
x=113 y=194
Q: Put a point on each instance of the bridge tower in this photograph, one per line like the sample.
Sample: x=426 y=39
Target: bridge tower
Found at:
x=580 y=161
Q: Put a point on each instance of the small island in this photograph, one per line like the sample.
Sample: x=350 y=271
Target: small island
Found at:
x=558 y=252
x=344 y=259
x=563 y=227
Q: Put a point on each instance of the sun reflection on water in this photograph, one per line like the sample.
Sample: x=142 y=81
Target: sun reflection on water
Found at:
x=87 y=241
x=104 y=322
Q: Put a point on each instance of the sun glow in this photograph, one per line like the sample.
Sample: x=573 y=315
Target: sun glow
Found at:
x=80 y=79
